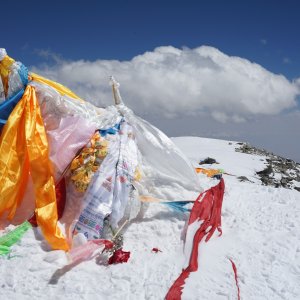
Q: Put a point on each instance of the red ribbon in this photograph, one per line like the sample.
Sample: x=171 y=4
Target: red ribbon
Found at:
x=207 y=208
x=235 y=277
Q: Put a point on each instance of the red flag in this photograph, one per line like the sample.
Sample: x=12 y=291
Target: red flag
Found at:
x=207 y=210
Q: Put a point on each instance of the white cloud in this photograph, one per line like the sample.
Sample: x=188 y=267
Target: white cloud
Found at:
x=173 y=82
x=297 y=83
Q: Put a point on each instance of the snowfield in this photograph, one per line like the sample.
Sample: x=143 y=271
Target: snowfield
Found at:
x=260 y=234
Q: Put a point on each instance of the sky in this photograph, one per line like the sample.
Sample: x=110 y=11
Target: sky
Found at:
x=221 y=69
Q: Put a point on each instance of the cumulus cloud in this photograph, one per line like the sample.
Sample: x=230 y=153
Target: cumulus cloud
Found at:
x=171 y=82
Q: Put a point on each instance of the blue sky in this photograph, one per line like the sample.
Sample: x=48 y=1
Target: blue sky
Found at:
x=243 y=98
x=266 y=32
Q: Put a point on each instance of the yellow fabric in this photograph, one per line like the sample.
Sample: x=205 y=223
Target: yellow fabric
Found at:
x=5 y=64
x=57 y=86
x=24 y=148
x=208 y=172
x=87 y=162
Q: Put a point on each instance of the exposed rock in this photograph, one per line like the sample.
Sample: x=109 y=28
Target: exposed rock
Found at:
x=279 y=171
x=208 y=161
x=243 y=179
x=266 y=172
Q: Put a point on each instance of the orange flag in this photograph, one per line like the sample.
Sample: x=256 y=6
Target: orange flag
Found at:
x=24 y=149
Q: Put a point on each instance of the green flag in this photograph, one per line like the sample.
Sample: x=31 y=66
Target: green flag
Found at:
x=13 y=237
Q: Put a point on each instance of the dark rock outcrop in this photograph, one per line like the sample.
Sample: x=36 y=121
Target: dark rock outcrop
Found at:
x=279 y=171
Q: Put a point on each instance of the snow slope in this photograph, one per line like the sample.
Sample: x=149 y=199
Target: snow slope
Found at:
x=260 y=233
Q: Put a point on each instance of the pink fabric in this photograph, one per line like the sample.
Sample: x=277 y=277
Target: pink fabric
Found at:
x=71 y=134
x=86 y=251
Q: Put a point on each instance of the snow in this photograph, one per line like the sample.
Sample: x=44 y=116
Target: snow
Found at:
x=260 y=234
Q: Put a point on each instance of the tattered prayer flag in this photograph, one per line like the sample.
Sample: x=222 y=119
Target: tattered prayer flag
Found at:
x=205 y=218
x=13 y=237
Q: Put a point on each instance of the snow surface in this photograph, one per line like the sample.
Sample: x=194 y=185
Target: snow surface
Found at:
x=260 y=233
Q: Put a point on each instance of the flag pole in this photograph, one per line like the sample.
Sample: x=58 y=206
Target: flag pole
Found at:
x=115 y=89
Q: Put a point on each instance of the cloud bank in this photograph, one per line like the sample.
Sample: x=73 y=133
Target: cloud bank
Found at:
x=172 y=82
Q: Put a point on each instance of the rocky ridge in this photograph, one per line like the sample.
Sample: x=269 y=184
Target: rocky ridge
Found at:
x=279 y=171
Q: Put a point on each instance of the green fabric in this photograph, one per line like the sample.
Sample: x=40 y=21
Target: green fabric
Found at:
x=4 y=250
x=13 y=237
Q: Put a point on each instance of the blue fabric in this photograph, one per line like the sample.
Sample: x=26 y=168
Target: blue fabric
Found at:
x=8 y=105
x=178 y=205
x=111 y=130
x=23 y=73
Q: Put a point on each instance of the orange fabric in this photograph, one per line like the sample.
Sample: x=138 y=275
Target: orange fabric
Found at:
x=24 y=148
x=144 y=198
x=208 y=172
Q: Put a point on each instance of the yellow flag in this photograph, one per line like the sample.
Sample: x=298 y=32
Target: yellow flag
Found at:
x=24 y=147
